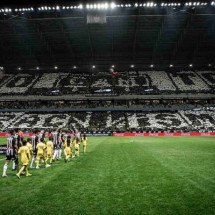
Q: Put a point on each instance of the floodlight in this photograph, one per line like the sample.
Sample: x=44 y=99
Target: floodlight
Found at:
x=106 y=5
x=112 y=5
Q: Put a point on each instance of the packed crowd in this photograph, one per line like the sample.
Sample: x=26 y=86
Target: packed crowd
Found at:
x=113 y=121
x=139 y=83
x=113 y=103
x=37 y=148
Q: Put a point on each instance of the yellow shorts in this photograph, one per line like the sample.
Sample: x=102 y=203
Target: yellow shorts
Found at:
x=25 y=162
x=41 y=156
x=68 y=152
x=49 y=155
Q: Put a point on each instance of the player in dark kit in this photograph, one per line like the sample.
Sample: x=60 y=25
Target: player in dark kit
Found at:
x=41 y=134
x=18 y=138
x=18 y=142
x=77 y=135
x=55 y=138
x=12 y=151
x=65 y=136
x=60 y=143
x=35 y=139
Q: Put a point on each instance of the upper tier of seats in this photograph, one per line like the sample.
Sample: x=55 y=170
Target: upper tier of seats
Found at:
x=137 y=83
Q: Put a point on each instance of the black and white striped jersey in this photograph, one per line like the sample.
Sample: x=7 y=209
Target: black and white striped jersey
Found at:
x=11 y=143
x=55 y=137
x=35 y=139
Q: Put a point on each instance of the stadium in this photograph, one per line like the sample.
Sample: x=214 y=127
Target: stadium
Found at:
x=107 y=107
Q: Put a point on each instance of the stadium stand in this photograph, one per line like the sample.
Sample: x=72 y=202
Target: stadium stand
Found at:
x=153 y=104
x=188 y=120
x=139 y=83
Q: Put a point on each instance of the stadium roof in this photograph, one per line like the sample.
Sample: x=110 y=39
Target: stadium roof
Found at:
x=57 y=34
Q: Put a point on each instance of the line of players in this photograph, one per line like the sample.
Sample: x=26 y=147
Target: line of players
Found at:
x=36 y=148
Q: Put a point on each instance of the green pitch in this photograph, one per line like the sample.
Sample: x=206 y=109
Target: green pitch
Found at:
x=118 y=175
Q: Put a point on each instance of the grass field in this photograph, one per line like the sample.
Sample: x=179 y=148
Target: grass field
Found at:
x=118 y=175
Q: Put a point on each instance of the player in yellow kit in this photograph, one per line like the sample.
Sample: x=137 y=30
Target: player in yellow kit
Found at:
x=49 y=150
x=76 y=143
x=68 y=149
x=30 y=147
x=84 y=142
x=25 y=156
x=41 y=147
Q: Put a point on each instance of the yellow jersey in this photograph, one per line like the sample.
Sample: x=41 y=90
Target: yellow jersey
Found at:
x=29 y=145
x=84 y=141
x=24 y=154
x=49 y=147
x=41 y=148
x=68 y=149
x=76 y=144
x=65 y=139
